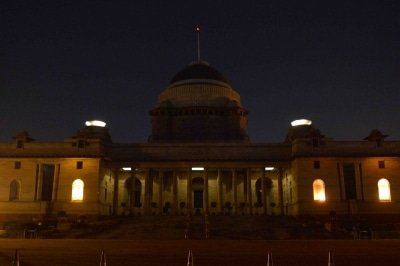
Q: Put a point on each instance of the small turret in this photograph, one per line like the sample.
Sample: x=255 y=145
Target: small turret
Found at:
x=94 y=129
x=376 y=136
x=22 y=137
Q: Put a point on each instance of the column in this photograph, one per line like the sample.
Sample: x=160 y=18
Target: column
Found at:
x=280 y=190
x=234 y=187
x=160 y=192
x=57 y=180
x=37 y=179
x=189 y=191
x=174 y=192
x=116 y=191
x=205 y=199
x=249 y=191
x=132 y=189
x=56 y=184
x=360 y=172
x=146 y=191
x=219 y=181
x=264 y=191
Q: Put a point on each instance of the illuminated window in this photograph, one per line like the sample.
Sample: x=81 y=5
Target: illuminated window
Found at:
x=384 y=189
x=14 y=190
x=77 y=190
x=319 y=190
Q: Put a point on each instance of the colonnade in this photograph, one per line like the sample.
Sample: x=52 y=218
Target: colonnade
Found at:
x=178 y=191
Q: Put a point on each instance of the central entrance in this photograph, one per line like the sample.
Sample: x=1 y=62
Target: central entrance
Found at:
x=198 y=189
x=198 y=199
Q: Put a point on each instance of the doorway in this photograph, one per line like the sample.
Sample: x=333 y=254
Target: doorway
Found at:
x=198 y=189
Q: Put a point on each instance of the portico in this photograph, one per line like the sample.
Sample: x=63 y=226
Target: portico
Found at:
x=206 y=189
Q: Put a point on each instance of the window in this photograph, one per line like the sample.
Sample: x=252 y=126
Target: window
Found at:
x=319 y=190
x=14 y=190
x=20 y=144
x=317 y=165
x=384 y=190
x=77 y=190
x=79 y=165
x=381 y=164
x=315 y=142
x=81 y=143
x=47 y=184
x=17 y=165
x=349 y=178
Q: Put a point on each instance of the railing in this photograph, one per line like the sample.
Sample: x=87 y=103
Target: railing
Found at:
x=190 y=259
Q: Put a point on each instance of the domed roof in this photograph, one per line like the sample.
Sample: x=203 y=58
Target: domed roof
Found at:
x=198 y=84
x=198 y=70
x=198 y=105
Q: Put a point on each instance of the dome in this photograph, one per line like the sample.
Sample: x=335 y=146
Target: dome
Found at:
x=198 y=84
x=198 y=70
x=198 y=105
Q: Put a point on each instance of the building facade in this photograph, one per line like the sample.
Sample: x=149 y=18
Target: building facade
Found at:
x=199 y=160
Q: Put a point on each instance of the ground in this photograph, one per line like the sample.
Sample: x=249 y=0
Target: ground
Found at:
x=41 y=252
x=160 y=240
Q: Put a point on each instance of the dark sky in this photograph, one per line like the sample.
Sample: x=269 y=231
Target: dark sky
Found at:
x=63 y=62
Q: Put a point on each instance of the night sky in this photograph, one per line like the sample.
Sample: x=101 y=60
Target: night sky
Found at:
x=64 y=62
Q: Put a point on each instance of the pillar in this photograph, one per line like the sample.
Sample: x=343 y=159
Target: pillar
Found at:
x=57 y=181
x=174 y=192
x=189 y=191
x=133 y=187
x=219 y=188
x=234 y=187
x=249 y=191
x=280 y=190
x=264 y=191
x=146 y=202
x=160 y=192
x=205 y=191
x=37 y=179
x=116 y=192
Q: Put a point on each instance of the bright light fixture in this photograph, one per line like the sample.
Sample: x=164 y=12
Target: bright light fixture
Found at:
x=126 y=168
x=197 y=168
x=301 y=122
x=95 y=123
x=269 y=168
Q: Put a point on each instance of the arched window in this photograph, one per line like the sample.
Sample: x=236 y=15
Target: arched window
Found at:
x=77 y=190
x=14 y=190
x=319 y=190
x=384 y=189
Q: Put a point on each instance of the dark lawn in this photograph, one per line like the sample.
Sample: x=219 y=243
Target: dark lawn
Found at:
x=206 y=252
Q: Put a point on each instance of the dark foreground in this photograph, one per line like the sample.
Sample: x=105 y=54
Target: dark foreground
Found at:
x=206 y=252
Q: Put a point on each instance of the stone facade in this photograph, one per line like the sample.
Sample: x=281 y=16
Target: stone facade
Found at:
x=178 y=173
x=232 y=178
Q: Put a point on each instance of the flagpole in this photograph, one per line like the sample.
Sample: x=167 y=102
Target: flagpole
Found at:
x=198 y=43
